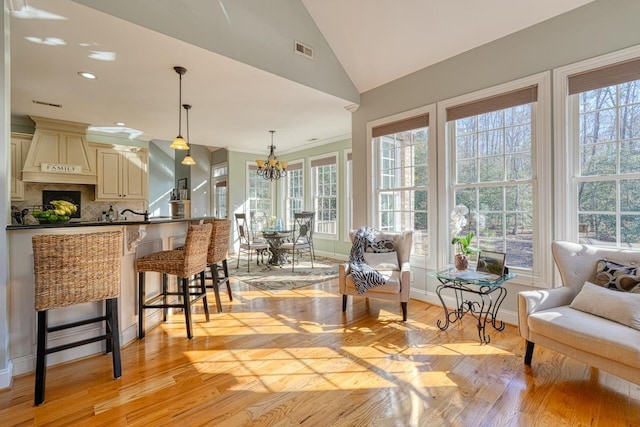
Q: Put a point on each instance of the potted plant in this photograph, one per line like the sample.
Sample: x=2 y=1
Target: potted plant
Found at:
x=462 y=243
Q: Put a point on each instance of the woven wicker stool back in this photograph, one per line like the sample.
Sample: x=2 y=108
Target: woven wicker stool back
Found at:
x=217 y=257
x=219 y=246
x=76 y=268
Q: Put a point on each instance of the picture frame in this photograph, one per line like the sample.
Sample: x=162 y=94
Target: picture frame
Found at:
x=492 y=263
x=182 y=184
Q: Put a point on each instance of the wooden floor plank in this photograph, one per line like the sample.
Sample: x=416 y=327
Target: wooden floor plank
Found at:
x=283 y=358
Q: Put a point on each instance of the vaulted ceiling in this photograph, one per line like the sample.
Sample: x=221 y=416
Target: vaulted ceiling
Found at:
x=244 y=76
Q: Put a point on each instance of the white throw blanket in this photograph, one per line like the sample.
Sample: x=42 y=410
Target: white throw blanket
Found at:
x=364 y=277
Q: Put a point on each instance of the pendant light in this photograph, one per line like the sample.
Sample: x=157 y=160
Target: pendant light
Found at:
x=179 y=143
x=188 y=160
x=271 y=168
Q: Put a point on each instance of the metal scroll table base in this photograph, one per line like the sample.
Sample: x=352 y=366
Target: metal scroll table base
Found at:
x=485 y=310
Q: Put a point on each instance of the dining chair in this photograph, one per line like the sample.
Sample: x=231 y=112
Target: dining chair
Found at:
x=302 y=237
x=247 y=242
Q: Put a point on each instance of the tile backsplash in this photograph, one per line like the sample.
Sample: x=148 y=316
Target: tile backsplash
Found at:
x=91 y=209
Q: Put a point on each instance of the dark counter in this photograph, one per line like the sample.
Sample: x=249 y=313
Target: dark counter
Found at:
x=101 y=223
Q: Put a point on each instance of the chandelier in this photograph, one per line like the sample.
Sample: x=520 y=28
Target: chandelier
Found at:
x=271 y=168
x=188 y=160
x=179 y=143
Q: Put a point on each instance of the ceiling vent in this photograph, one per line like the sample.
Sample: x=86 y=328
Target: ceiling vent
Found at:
x=304 y=50
x=48 y=104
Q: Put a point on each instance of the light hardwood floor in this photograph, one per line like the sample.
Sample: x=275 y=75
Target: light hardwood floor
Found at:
x=293 y=358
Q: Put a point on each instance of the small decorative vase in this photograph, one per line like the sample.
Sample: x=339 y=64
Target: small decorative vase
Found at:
x=461 y=262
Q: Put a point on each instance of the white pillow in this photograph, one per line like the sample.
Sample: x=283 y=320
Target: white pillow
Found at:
x=621 y=307
x=382 y=260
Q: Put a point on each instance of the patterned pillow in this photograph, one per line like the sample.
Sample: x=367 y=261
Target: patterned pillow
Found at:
x=382 y=243
x=612 y=275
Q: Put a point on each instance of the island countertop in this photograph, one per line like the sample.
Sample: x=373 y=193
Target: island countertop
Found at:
x=158 y=220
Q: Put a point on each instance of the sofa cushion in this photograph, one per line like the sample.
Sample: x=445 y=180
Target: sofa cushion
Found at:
x=611 y=274
x=382 y=243
x=392 y=285
x=614 y=305
x=589 y=333
x=382 y=260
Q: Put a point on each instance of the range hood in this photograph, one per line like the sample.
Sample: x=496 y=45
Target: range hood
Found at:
x=59 y=154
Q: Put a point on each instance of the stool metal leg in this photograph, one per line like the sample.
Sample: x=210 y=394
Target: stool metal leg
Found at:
x=41 y=358
x=203 y=291
x=141 y=301
x=215 y=278
x=113 y=328
x=187 y=306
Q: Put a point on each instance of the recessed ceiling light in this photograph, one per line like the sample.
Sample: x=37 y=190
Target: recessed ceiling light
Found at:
x=119 y=124
x=87 y=75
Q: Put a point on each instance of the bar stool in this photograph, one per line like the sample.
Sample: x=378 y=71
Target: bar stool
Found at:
x=183 y=264
x=74 y=269
x=217 y=257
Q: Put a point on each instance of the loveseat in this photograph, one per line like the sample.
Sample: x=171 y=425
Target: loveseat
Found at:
x=584 y=318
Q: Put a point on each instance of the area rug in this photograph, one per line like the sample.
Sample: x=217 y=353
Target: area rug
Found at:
x=273 y=278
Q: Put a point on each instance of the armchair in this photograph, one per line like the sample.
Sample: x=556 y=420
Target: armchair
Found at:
x=586 y=321
x=397 y=284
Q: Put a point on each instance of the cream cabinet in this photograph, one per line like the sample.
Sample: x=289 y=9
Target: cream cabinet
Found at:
x=19 y=148
x=121 y=175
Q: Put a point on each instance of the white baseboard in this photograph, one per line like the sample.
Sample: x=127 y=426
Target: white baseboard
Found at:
x=6 y=376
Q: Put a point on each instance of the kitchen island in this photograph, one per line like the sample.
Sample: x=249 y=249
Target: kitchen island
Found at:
x=140 y=238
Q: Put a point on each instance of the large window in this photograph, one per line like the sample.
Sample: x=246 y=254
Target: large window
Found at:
x=324 y=177
x=294 y=191
x=260 y=194
x=402 y=181
x=498 y=164
x=603 y=107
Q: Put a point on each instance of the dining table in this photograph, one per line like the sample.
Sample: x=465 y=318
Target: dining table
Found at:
x=275 y=239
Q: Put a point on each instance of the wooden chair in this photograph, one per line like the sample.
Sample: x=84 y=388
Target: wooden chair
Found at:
x=302 y=237
x=247 y=243
x=184 y=264
x=75 y=269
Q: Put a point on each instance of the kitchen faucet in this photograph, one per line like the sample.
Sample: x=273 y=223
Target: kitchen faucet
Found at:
x=145 y=213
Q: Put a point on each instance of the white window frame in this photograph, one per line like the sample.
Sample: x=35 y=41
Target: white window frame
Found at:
x=312 y=195
x=214 y=181
x=248 y=198
x=372 y=184
x=540 y=274
x=285 y=191
x=566 y=127
x=348 y=194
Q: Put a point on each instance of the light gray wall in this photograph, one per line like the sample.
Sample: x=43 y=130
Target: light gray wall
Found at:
x=256 y=32
x=5 y=168
x=597 y=28
x=161 y=179
x=199 y=181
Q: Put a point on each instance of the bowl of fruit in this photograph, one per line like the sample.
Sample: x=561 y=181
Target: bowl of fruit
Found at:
x=57 y=211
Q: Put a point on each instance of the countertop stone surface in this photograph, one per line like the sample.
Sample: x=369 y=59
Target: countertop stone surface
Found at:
x=159 y=220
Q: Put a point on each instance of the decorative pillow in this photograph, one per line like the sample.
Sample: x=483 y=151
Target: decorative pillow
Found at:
x=382 y=243
x=610 y=274
x=614 y=305
x=382 y=261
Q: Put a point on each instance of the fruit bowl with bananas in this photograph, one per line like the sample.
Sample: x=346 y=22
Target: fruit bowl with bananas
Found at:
x=57 y=211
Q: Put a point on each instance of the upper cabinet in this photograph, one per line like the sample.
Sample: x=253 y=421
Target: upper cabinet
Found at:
x=19 y=147
x=121 y=174
x=59 y=153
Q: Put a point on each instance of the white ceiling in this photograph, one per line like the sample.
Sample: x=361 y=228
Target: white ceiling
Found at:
x=235 y=104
